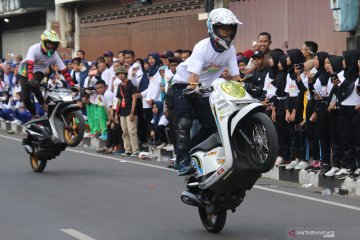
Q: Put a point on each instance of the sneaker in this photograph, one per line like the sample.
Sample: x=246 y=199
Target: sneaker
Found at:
x=324 y=169
x=170 y=148
x=135 y=154
x=311 y=166
x=126 y=154
x=161 y=146
x=317 y=167
x=344 y=173
x=103 y=137
x=284 y=163
x=332 y=172
x=16 y=121
x=302 y=165
x=356 y=174
x=293 y=164
x=278 y=161
x=86 y=135
x=186 y=170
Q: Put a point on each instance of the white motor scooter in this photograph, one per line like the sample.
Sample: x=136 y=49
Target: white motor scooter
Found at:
x=230 y=161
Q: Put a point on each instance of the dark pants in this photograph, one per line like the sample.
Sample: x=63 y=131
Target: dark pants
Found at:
x=147 y=117
x=311 y=135
x=114 y=136
x=349 y=130
x=27 y=88
x=142 y=134
x=282 y=131
x=334 y=128
x=189 y=109
x=322 y=126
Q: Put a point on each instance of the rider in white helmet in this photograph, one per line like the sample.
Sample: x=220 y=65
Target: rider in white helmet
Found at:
x=210 y=57
x=31 y=70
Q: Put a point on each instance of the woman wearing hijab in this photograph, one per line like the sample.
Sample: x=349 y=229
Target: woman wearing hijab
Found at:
x=158 y=125
x=348 y=115
x=295 y=90
x=278 y=113
x=336 y=71
x=320 y=93
x=149 y=89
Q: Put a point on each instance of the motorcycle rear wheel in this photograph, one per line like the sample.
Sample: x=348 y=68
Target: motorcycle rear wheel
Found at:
x=73 y=135
x=213 y=222
x=37 y=164
x=261 y=130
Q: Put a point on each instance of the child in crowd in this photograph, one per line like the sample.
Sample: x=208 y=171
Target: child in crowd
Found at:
x=158 y=125
x=104 y=101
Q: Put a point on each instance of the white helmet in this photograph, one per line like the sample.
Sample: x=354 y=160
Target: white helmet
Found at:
x=218 y=17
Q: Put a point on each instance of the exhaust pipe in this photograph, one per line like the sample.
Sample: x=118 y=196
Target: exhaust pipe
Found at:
x=190 y=199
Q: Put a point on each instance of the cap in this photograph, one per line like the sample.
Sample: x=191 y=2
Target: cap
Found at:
x=258 y=54
x=108 y=53
x=120 y=69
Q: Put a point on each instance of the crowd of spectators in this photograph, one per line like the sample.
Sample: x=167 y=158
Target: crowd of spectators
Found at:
x=311 y=96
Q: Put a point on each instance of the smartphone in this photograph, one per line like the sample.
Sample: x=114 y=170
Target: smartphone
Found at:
x=333 y=77
x=300 y=66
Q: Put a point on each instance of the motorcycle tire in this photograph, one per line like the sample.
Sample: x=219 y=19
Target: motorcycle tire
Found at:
x=37 y=164
x=74 y=134
x=261 y=130
x=213 y=222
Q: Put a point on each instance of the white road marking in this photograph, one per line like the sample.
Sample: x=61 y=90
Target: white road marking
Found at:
x=256 y=186
x=308 y=198
x=77 y=234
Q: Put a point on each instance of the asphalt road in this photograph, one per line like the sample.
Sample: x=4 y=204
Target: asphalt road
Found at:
x=82 y=195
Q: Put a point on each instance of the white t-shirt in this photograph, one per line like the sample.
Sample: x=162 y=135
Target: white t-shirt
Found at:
x=106 y=76
x=105 y=100
x=353 y=99
x=168 y=76
x=153 y=91
x=41 y=61
x=117 y=82
x=135 y=78
x=291 y=87
x=207 y=63
x=268 y=87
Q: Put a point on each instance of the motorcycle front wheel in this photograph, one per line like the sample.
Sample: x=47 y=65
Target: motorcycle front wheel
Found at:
x=37 y=164
x=213 y=222
x=73 y=134
x=261 y=130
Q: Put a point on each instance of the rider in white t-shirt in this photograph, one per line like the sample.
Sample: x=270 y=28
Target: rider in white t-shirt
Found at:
x=209 y=59
x=31 y=70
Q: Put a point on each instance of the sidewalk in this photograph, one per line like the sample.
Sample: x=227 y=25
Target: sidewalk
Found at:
x=301 y=177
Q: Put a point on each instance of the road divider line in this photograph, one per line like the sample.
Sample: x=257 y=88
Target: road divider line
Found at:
x=169 y=169
x=77 y=234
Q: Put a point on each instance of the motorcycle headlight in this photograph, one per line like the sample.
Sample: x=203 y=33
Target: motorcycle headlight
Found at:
x=234 y=89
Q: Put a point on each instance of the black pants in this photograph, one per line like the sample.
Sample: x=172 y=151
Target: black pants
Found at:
x=147 y=117
x=141 y=126
x=322 y=126
x=189 y=109
x=334 y=128
x=114 y=136
x=27 y=88
x=311 y=134
x=282 y=131
x=349 y=129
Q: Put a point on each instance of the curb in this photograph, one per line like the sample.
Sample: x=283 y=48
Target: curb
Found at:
x=315 y=179
x=352 y=187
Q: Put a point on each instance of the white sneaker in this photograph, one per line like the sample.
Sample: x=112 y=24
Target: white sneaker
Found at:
x=293 y=164
x=16 y=121
x=170 y=148
x=278 y=161
x=302 y=165
x=341 y=171
x=161 y=146
x=333 y=171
